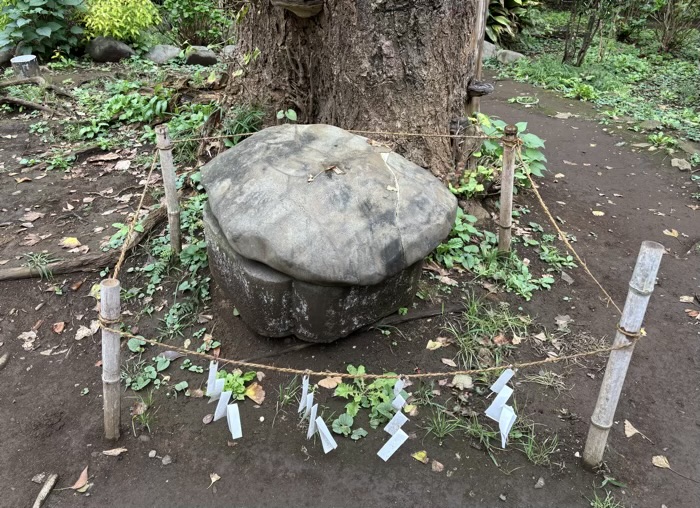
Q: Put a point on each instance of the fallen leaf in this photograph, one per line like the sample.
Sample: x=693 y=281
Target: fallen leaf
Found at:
x=563 y=321
x=437 y=343
x=30 y=239
x=540 y=337
x=114 y=452
x=83 y=332
x=660 y=461
x=693 y=313
x=28 y=339
x=67 y=208
x=330 y=382
x=436 y=466
x=631 y=431
x=4 y=261
x=214 y=478
x=105 y=157
x=197 y=393
x=256 y=393
x=122 y=165
x=598 y=213
x=84 y=488
x=138 y=408
x=421 y=456
x=449 y=362
x=448 y=281
x=31 y=216
x=171 y=355
x=687 y=299
x=563 y=116
x=207 y=419
x=462 y=382
x=517 y=339
x=672 y=233
x=559 y=175
x=82 y=480
x=410 y=409
x=569 y=163
x=500 y=340
x=58 y=327
x=69 y=242
x=681 y=164
x=23 y=179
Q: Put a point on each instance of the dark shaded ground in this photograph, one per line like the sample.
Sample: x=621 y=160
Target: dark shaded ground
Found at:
x=47 y=426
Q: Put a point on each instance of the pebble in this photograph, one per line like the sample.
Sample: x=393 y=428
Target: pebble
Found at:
x=39 y=478
x=502 y=497
x=145 y=438
x=540 y=483
x=166 y=460
x=152 y=453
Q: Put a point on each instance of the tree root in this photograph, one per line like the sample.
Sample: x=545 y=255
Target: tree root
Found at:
x=88 y=262
x=28 y=104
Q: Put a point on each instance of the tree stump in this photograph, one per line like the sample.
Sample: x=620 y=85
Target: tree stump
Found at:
x=25 y=66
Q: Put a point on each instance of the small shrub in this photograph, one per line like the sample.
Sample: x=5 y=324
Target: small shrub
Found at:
x=41 y=27
x=122 y=19
x=196 y=22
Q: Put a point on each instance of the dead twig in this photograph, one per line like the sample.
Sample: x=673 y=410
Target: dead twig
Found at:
x=45 y=490
x=28 y=104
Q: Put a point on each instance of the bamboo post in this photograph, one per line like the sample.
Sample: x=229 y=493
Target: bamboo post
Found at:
x=474 y=104
x=110 y=311
x=640 y=288
x=165 y=149
x=509 y=141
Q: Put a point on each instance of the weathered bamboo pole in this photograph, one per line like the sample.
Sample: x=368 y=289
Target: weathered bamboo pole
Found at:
x=640 y=288
x=110 y=311
x=165 y=149
x=510 y=140
x=474 y=104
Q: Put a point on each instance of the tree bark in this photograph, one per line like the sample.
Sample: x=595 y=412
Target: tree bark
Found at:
x=387 y=65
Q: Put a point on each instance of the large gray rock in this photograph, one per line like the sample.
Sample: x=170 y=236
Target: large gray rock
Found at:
x=506 y=56
x=276 y=305
x=315 y=232
x=380 y=215
x=106 y=49
x=488 y=51
x=200 y=55
x=162 y=53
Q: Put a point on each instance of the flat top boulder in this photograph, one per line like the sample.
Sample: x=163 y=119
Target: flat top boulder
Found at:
x=326 y=206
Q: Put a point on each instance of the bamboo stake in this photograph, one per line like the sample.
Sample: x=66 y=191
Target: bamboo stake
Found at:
x=474 y=103
x=110 y=311
x=165 y=148
x=507 y=177
x=640 y=288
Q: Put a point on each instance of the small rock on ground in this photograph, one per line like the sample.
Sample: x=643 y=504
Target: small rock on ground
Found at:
x=152 y=454
x=506 y=56
x=201 y=55
x=106 y=49
x=162 y=53
x=540 y=483
x=166 y=460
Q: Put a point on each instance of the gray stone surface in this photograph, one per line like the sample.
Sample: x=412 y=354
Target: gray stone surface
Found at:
x=506 y=56
x=229 y=51
x=380 y=216
x=106 y=49
x=488 y=51
x=200 y=55
x=162 y=53
x=650 y=125
x=276 y=305
x=6 y=55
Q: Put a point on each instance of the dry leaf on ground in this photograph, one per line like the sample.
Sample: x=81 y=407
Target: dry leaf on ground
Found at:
x=256 y=393
x=207 y=419
x=693 y=313
x=82 y=480
x=630 y=431
x=671 y=232
x=58 y=327
x=598 y=213
x=330 y=382
x=687 y=299
x=114 y=452
x=69 y=242
x=436 y=466
x=214 y=478
x=31 y=216
x=421 y=456
x=449 y=362
x=660 y=461
x=83 y=332
x=437 y=343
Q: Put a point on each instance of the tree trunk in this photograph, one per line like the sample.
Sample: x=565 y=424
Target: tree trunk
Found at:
x=591 y=30
x=571 y=33
x=386 y=65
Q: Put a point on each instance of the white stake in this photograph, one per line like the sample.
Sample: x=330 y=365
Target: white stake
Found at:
x=327 y=440
x=233 y=417
x=392 y=445
x=640 y=288
x=304 y=393
x=221 y=405
x=395 y=423
x=312 y=422
x=110 y=311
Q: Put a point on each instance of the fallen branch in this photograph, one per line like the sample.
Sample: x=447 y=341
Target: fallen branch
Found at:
x=88 y=262
x=45 y=490
x=39 y=81
x=21 y=102
x=395 y=319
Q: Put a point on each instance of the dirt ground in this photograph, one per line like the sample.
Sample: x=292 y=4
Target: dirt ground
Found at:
x=48 y=426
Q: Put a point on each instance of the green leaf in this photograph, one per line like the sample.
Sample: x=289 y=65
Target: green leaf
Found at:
x=521 y=126
x=280 y=115
x=182 y=385
x=291 y=115
x=358 y=434
x=135 y=345
x=343 y=390
x=44 y=31
x=162 y=363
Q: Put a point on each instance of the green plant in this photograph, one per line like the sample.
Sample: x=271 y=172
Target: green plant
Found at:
x=123 y=20
x=482 y=332
x=537 y=451
x=343 y=424
x=287 y=392
x=376 y=396
x=197 y=22
x=662 y=140
x=235 y=382
x=440 y=426
x=506 y=18
x=142 y=412
x=241 y=120
x=557 y=261
x=289 y=114
x=138 y=374
x=40 y=27
x=40 y=262
x=39 y=128
x=548 y=379
x=605 y=502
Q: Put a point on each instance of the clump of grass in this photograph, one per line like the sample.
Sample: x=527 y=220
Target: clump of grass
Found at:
x=548 y=379
x=605 y=502
x=477 y=430
x=39 y=262
x=441 y=426
x=538 y=451
x=480 y=324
